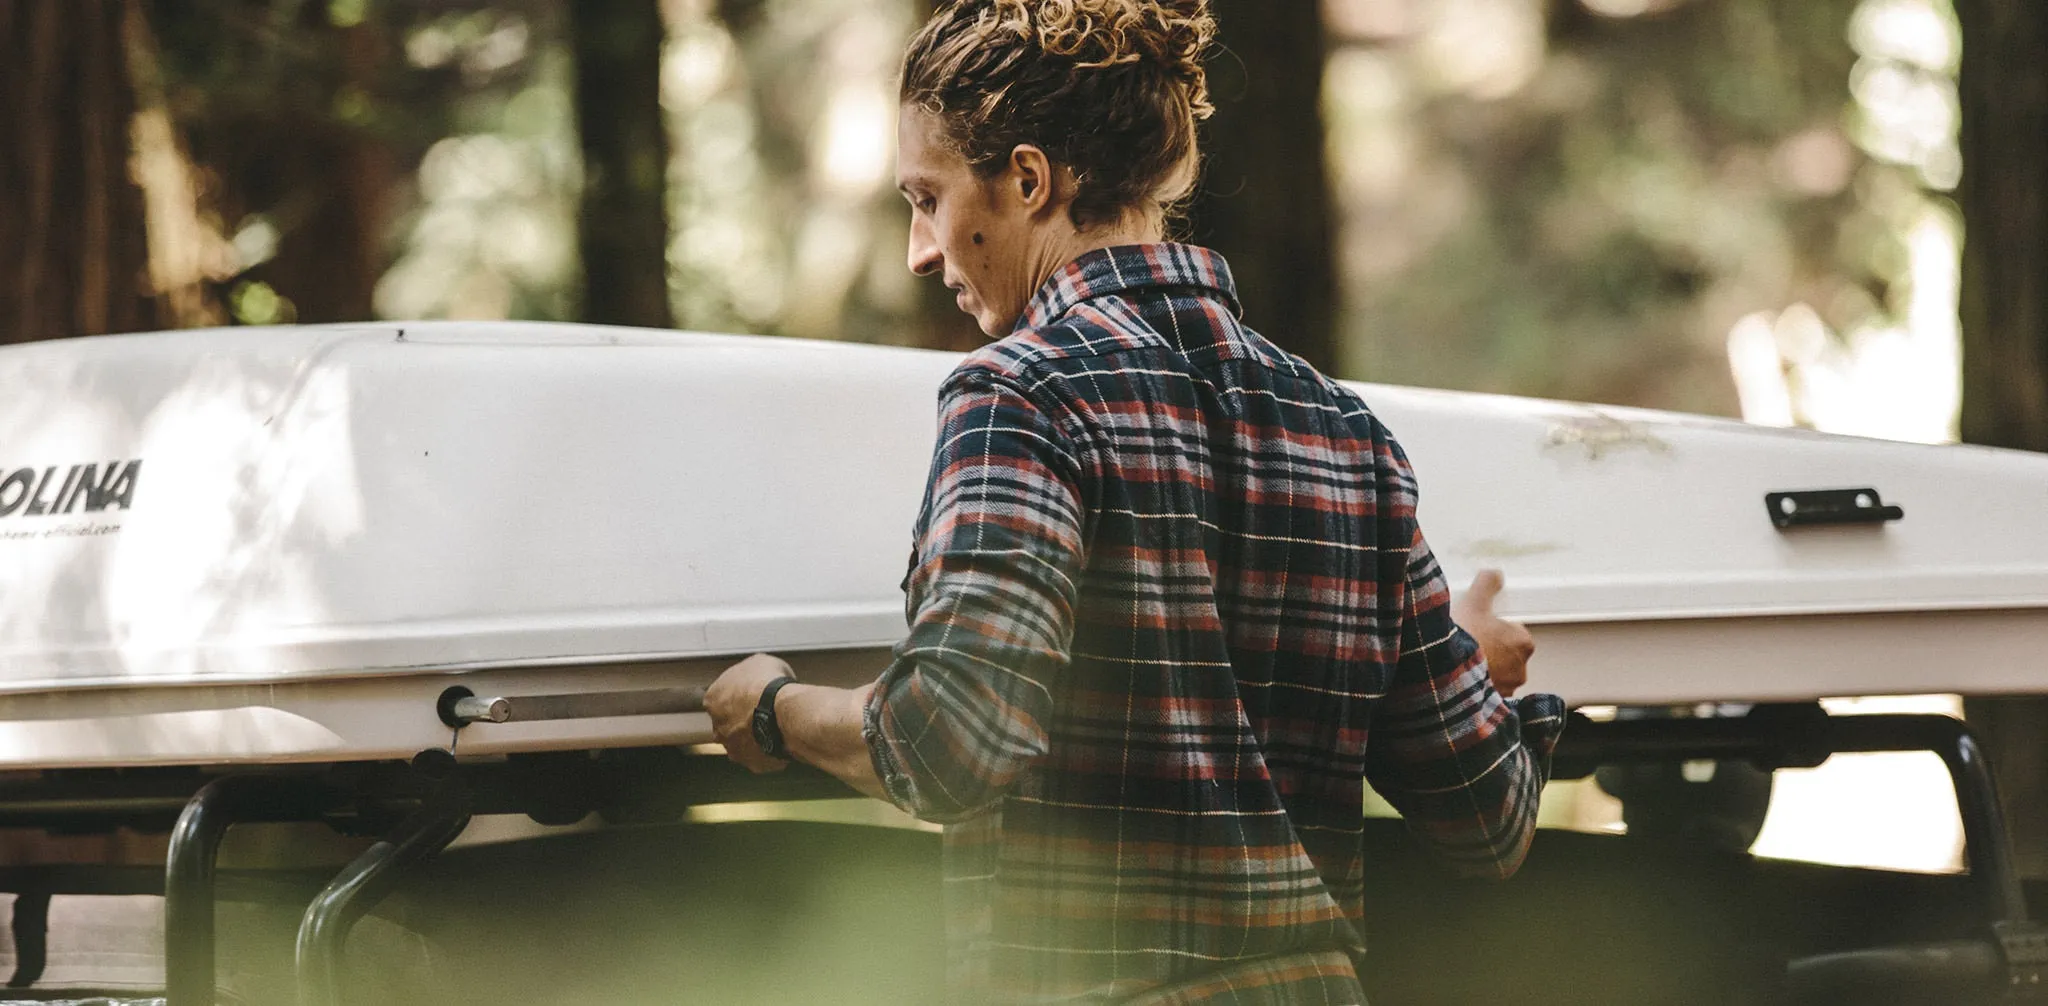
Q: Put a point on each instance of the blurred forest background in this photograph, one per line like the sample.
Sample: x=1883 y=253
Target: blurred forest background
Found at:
x=1725 y=206
x=1753 y=208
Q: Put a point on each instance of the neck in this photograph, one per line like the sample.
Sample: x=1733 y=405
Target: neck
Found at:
x=1062 y=245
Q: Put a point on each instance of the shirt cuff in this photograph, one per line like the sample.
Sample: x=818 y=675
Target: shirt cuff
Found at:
x=1543 y=719
x=895 y=782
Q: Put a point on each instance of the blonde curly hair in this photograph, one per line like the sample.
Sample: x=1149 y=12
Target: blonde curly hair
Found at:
x=1109 y=89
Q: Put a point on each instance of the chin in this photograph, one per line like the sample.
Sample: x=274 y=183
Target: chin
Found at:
x=985 y=320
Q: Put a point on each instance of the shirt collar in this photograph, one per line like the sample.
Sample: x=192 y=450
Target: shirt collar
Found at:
x=1106 y=271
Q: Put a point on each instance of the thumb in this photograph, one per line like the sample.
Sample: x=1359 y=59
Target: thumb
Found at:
x=1485 y=587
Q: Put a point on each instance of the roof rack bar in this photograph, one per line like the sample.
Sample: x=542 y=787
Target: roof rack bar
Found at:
x=1803 y=735
x=189 y=868
x=1987 y=849
x=365 y=881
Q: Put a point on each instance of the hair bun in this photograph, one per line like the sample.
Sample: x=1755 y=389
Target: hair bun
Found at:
x=1173 y=35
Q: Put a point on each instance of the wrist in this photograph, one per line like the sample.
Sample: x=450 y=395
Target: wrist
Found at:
x=767 y=722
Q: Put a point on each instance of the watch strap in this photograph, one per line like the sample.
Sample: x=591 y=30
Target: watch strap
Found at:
x=768 y=729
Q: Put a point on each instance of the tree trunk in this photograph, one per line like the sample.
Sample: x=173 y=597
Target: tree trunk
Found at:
x=623 y=232
x=2004 y=198
x=73 y=255
x=290 y=138
x=1264 y=201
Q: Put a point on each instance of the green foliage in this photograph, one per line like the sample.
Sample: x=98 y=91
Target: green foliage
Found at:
x=1534 y=197
x=1594 y=230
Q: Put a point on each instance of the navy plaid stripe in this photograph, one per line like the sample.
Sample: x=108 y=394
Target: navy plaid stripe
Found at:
x=1170 y=610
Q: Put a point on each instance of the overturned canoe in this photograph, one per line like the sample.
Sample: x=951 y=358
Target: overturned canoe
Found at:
x=259 y=545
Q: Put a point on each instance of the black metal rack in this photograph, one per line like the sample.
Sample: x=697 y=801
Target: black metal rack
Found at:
x=417 y=808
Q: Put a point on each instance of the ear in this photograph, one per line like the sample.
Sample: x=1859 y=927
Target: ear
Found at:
x=1030 y=180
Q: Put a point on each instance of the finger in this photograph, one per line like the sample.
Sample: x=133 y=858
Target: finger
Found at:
x=768 y=663
x=1484 y=587
x=1513 y=678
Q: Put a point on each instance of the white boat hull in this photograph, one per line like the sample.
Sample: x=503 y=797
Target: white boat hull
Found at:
x=321 y=529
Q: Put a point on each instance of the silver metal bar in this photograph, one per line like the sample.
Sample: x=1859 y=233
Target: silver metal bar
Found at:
x=475 y=709
x=578 y=705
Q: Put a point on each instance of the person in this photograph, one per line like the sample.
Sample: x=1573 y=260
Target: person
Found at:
x=1170 y=609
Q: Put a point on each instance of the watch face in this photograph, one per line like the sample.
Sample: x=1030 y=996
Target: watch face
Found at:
x=763 y=733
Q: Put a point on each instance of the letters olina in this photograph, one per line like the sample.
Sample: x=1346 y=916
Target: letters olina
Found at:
x=89 y=487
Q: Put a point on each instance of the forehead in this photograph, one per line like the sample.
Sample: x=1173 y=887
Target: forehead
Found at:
x=922 y=155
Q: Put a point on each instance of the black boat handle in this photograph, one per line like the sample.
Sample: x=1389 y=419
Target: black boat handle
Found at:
x=1820 y=507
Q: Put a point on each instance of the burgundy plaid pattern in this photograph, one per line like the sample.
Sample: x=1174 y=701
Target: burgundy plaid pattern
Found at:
x=1170 y=611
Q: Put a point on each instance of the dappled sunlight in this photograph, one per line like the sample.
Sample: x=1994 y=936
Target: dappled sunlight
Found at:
x=493 y=232
x=495 y=220
x=783 y=219
x=1897 y=381
x=193 y=566
x=163 y=588
x=186 y=249
x=218 y=540
x=68 y=421
x=859 y=128
x=1481 y=48
x=1629 y=8
x=1904 y=86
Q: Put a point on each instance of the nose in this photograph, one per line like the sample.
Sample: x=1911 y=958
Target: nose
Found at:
x=924 y=251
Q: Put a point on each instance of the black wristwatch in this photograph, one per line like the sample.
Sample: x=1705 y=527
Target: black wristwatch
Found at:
x=767 y=731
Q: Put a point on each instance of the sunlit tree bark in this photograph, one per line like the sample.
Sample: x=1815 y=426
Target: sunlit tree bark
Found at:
x=283 y=116
x=73 y=255
x=2004 y=197
x=1264 y=201
x=624 y=226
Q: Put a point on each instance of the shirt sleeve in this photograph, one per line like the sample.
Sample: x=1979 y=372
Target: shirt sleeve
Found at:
x=1464 y=766
x=959 y=714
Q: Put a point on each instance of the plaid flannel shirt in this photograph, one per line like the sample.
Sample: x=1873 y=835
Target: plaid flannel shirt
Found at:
x=1170 y=611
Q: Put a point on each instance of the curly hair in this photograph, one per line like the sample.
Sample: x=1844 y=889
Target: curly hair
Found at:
x=1110 y=89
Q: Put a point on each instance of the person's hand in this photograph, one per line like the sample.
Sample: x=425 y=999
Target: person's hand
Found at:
x=731 y=700
x=1506 y=645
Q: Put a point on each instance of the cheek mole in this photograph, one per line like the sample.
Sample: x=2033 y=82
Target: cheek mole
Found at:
x=977 y=237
